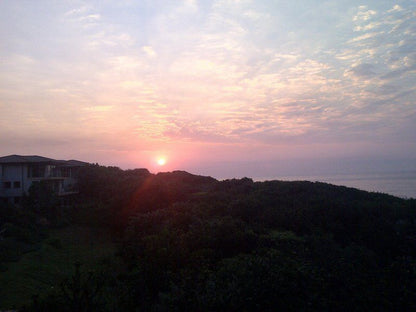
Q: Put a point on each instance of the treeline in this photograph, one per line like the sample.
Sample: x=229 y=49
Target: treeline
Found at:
x=192 y=243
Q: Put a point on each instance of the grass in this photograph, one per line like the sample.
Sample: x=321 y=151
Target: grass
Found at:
x=37 y=271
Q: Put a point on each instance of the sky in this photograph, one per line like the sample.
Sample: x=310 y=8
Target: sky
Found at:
x=227 y=88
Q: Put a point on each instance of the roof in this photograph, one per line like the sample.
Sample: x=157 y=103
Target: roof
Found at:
x=75 y=163
x=19 y=159
x=16 y=159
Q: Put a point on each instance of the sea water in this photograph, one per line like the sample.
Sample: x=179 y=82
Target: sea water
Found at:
x=401 y=184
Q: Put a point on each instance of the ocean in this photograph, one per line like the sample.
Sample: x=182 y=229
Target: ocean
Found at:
x=401 y=184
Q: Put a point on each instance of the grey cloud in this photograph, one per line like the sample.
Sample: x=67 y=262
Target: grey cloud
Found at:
x=408 y=46
x=398 y=73
x=404 y=94
x=388 y=89
x=364 y=70
x=383 y=115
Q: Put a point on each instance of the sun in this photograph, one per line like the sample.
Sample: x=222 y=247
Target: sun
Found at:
x=161 y=161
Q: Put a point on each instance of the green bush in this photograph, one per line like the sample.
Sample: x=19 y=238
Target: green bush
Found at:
x=55 y=243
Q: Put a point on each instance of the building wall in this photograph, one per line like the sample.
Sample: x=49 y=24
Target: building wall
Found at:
x=16 y=179
x=13 y=180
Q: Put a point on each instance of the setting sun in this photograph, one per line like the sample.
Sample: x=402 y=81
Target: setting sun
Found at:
x=161 y=161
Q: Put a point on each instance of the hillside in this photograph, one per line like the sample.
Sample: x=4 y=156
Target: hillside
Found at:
x=187 y=242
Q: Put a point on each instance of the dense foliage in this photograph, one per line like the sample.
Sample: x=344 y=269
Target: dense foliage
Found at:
x=192 y=243
x=20 y=226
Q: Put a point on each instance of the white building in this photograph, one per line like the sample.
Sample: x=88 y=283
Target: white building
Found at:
x=18 y=173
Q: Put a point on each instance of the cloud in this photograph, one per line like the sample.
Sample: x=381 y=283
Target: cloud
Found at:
x=363 y=14
x=212 y=72
x=78 y=11
x=90 y=18
x=369 y=26
x=195 y=132
x=361 y=71
x=149 y=51
x=363 y=37
x=396 y=8
x=398 y=73
x=99 y=108
x=85 y=16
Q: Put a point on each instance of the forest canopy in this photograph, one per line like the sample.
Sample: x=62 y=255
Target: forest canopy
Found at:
x=188 y=242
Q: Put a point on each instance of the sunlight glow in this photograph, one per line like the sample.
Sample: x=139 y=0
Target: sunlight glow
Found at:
x=161 y=161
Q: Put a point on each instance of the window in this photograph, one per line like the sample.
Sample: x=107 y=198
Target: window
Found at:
x=36 y=171
x=16 y=184
x=66 y=172
x=7 y=185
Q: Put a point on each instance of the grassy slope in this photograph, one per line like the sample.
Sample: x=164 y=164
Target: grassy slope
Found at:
x=37 y=271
